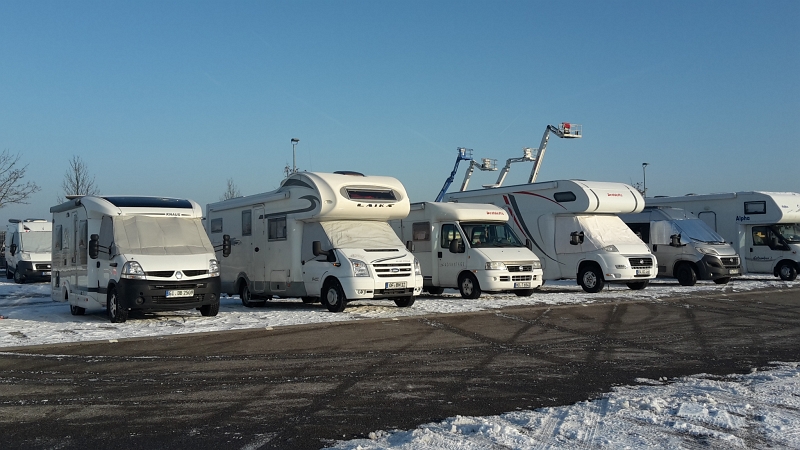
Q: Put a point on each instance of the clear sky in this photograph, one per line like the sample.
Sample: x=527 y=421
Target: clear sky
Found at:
x=172 y=98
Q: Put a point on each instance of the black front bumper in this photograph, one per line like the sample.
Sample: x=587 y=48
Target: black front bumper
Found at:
x=152 y=295
x=31 y=271
x=712 y=268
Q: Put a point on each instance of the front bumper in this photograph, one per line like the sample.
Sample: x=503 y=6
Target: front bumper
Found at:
x=356 y=288
x=152 y=294
x=714 y=267
x=34 y=271
x=502 y=281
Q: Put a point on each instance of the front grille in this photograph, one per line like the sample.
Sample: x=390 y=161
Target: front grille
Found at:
x=514 y=267
x=42 y=266
x=157 y=287
x=392 y=270
x=194 y=273
x=641 y=263
x=730 y=262
x=161 y=273
x=394 y=292
x=161 y=300
x=518 y=278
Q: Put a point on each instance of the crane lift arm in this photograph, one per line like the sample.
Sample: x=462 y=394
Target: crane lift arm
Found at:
x=465 y=154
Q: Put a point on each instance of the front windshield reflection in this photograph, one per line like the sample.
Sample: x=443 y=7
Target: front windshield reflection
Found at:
x=490 y=235
x=790 y=232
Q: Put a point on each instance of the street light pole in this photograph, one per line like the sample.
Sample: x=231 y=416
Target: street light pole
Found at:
x=644 y=183
x=294 y=158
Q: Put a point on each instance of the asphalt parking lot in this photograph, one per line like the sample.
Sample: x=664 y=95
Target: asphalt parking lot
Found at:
x=306 y=386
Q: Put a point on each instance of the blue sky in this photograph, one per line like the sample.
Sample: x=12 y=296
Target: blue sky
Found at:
x=172 y=98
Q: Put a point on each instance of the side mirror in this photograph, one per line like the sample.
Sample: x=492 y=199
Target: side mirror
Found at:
x=528 y=244
x=13 y=249
x=774 y=242
x=410 y=246
x=675 y=240
x=316 y=248
x=456 y=246
x=226 y=245
x=94 y=246
x=576 y=238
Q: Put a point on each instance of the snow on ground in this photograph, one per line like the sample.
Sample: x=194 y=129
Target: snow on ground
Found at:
x=757 y=410
x=32 y=318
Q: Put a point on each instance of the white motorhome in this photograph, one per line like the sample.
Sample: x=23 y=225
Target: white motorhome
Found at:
x=764 y=227
x=470 y=247
x=127 y=253
x=572 y=226
x=319 y=236
x=27 y=250
x=686 y=247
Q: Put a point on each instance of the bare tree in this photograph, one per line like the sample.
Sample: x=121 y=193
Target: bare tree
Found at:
x=76 y=180
x=12 y=189
x=231 y=192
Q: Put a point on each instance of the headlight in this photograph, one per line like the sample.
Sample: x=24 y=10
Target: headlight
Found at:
x=132 y=270
x=359 y=268
x=610 y=248
x=417 y=269
x=495 y=265
x=537 y=265
x=213 y=267
x=25 y=256
x=707 y=251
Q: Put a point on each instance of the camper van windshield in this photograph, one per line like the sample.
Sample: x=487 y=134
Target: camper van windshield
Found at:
x=698 y=231
x=361 y=234
x=490 y=235
x=144 y=235
x=36 y=241
x=790 y=232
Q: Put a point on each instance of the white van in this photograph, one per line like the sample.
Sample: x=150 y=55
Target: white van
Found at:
x=685 y=246
x=27 y=250
x=320 y=236
x=763 y=227
x=573 y=228
x=124 y=253
x=470 y=247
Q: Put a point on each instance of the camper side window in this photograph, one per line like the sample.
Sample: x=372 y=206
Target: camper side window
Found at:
x=277 y=229
x=216 y=225
x=755 y=207
x=761 y=235
x=421 y=231
x=247 y=223
x=449 y=232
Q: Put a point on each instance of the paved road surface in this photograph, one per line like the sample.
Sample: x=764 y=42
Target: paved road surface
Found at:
x=303 y=387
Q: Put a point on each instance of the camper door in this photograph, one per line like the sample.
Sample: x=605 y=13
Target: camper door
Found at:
x=764 y=249
x=570 y=244
x=452 y=249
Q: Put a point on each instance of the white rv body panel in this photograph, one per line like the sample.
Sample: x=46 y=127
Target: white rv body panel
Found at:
x=551 y=213
x=502 y=264
x=272 y=236
x=27 y=250
x=686 y=247
x=163 y=237
x=749 y=221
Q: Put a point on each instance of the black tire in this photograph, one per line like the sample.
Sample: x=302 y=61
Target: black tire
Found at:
x=9 y=273
x=637 y=285
x=77 y=310
x=210 y=310
x=434 y=290
x=591 y=279
x=404 y=302
x=18 y=278
x=686 y=275
x=309 y=299
x=524 y=292
x=787 y=271
x=246 y=296
x=723 y=280
x=333 y=297
x=468 y=286
x=116 y=313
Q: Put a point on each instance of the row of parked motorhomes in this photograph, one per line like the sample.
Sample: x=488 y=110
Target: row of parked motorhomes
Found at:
x=340 y=237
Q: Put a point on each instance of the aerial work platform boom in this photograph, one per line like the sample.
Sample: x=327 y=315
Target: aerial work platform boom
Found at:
x=465 y=154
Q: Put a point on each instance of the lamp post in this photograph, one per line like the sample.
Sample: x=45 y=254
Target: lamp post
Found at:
x=294 y=159
x=644 y=183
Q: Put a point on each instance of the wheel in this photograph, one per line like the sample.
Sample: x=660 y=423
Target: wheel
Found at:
x=524 y=292
x=76 y=310
x=9 y=273
x=404 y=302
x=434 y=290
x=590 y=279
x=247 y=298
x=333 y=296
x=309 y=299
x=116 y=313
x=723 y=280
x=686 y=275
x=210 y=310
x=19 y=279
x=787 y=271
x=637 y=285
x=469 y=286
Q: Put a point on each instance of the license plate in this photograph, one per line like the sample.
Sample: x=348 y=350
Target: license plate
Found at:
x=642 y=271
x=180 y=293
x=733 y=271
x=525 y=284
x=396 y=285
x=45 y=273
